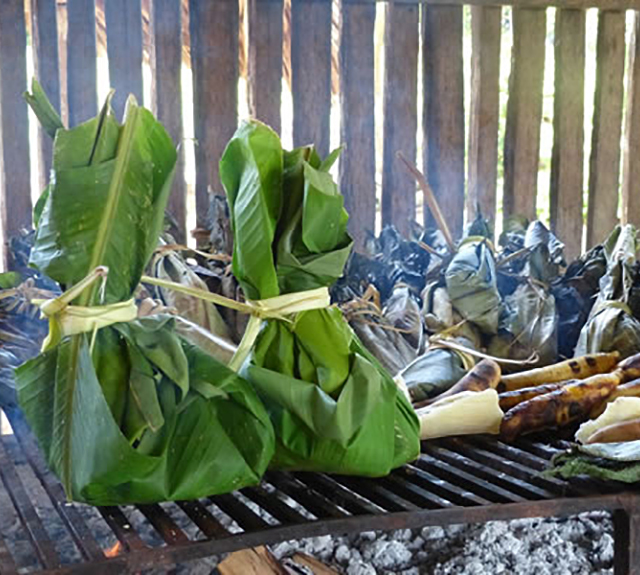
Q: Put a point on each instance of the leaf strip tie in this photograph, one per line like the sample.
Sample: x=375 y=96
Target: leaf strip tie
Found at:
x=278 y=307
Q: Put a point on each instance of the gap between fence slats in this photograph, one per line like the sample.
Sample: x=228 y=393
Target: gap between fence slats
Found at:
x=524 y=113
x=566 y=4
x=443 y=117
x=486 y=29
x=167 y=96
x=311 y=73
x=14 y=127
x=214 y=59
x=82 y=89
x=567 y=163
x=357 y=102
x=604 y=174
x=44 y=25
x=400 y=114
x=265 y=60
x=124 y=49
x=631 y=175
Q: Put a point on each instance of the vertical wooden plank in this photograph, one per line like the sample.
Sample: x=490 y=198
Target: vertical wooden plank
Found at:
x=15 y=191
x=311 y=72
x=443 y=117
x=265 y=60
x=82 y=88
x=400 y=114
x=604 y=168
x=567 y=162
x=167 y=92
x=124 y=50
x=631 y=172
x=357 y=105
x=484 y=116
x=44 y=25
x=524 y=112
x=214 y=58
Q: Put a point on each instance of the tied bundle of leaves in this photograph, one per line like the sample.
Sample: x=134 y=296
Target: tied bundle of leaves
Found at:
x=131 y=412
x=472 y=284
x=333 y=407
x=611 y=325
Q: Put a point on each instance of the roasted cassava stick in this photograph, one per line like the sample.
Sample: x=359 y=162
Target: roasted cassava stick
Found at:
x=484 y=375
x=572 y=402
x=576 y=368
x=624 y=431
x=510 y=399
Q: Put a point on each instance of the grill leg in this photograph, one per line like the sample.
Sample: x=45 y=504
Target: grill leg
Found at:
x=626 y=524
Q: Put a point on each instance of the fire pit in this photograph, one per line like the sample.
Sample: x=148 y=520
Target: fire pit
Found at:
x=454 y=481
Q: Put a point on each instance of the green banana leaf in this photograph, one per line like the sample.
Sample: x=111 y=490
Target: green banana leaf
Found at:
x=132 y=413
x=214 y=334
x=333 y=407
x=611 y=325
x=472 y=284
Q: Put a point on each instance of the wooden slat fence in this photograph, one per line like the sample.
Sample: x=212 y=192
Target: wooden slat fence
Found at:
x=422 y=100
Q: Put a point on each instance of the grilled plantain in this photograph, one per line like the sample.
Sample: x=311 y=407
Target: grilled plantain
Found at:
x=576 y=368
x=510 y=399
x=570 y=403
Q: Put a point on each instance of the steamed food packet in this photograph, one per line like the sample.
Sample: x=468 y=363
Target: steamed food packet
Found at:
x=611 y=325
x=129 y=412
x=333 y=407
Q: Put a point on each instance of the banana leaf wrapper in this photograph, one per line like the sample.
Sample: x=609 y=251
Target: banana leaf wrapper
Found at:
x=333 y=407
x=528 y=325
x=611 y=324
x=137 y=415
x=214 y=335
x=472 y=285
x=437 y=370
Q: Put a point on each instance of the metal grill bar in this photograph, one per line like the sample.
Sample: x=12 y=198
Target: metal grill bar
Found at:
x=69 y=515
x=454 y=480
x=39 y=538
x=492 y=492
x=163 y=524
x=206 y=522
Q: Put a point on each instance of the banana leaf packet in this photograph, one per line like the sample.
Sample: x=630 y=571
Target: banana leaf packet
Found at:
x=611 y=324
x=333 y=407
x=131 y=412
x=472 y=284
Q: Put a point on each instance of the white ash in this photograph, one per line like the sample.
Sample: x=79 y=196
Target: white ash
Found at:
x=574 y=546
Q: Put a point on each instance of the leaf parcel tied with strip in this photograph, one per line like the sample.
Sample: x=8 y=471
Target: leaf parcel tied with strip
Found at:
x=334 y=408
x=131 y=413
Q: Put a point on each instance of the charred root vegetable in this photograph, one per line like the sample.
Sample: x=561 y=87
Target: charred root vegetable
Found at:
x=617 y=432
x=485 y=375
x=571 y=403
x=576 y=368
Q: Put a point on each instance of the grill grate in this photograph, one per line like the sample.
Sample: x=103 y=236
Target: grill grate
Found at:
x=454 y=481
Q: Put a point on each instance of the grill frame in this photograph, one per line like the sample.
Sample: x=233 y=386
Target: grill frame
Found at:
x=455 y=480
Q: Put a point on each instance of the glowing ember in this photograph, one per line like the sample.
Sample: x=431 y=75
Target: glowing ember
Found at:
x=113 y=551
